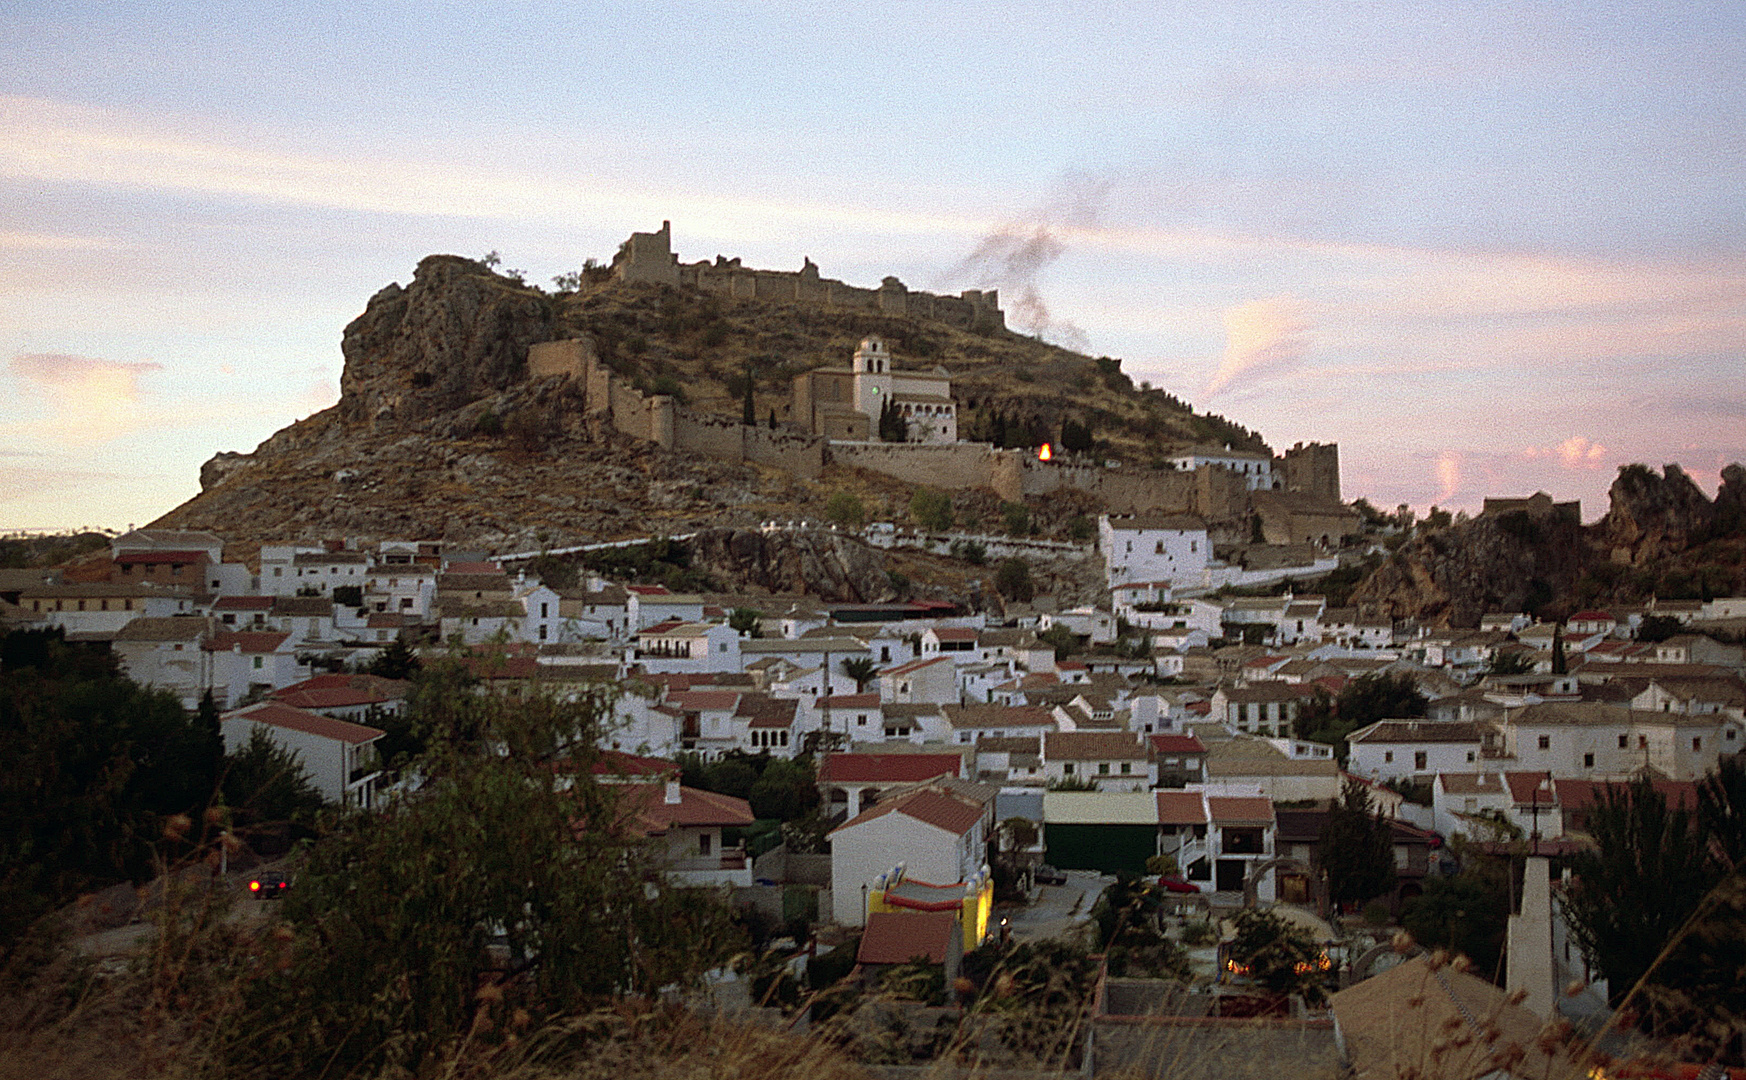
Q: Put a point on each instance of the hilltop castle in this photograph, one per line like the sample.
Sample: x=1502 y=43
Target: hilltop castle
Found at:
x=649 y=257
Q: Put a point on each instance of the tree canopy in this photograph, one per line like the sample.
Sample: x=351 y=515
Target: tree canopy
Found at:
x=511 y=884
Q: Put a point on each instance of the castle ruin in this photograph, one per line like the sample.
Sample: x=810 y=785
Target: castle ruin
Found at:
x=649 y=257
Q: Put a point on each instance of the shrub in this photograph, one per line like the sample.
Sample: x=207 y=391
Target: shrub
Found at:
x=1013 y=579
x=931 y=509
x=845 y=508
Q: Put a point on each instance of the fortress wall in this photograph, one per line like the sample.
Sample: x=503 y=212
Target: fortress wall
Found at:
x=951 y=466
x=550 y=358
x=707 y=435
x=1311 y=468
x=801 y=455
x=630 y=414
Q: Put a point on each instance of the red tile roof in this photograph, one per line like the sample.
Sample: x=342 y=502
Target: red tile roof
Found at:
x=652 y=814
x=887 y=768
x=1176 y=744
x=928 y=805
x=898 y=937
x=1524 y=786
x=137 y=557
x=955 y=633
x=1240 y=809
x=916 y=665
x=704 y=700
x=342 y=691
x=474 y=568
x=1093 y=746
x=279 y=715
x=249 y=641
x=1181 y=808
x=849 y=701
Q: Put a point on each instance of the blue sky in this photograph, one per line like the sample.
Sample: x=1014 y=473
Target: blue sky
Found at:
x=1487 y=248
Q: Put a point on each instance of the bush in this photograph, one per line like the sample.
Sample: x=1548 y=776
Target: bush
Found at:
x=931 y=509
x=970 y=551
x=489 y=425
x=1013 y=579
x=1016 y=517
x=845 y=508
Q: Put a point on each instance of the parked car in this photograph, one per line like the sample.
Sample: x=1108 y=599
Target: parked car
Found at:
x=1048 y=875
x=1172 y=883
x=269 y=884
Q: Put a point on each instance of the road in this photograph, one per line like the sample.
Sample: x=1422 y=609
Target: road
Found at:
x=1058 y=909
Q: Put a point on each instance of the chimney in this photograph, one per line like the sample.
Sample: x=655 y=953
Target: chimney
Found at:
x=674 y=797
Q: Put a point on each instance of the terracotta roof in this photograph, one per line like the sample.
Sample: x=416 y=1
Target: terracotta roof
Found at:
x=136 y=557
x=1472 y=783
x=1181 y=808
x=1176 y=744
x=302 y=605
x=916 y=665
x=1239 y=809
x=1528 y=788
x=763 y=711
x=648 y=804
x=275 y=714
x=475 y=568
x=955 y=633
x=702 y=700
x=163 y=628
x=248 y=641
x=342 y=691
x=849 y=701
x=898 y=937
x=979 y=716
x=1093 y=746
x=1418 y=731
x=928 y=805
x=886 y=768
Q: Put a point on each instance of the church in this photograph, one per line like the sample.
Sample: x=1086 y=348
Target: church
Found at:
x=846 y=403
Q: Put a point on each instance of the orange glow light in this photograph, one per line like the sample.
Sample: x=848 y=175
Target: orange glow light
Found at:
x=1044 y=453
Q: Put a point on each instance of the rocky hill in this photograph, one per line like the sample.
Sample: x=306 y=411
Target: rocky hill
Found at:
x=440 y=433
x=1662 y=537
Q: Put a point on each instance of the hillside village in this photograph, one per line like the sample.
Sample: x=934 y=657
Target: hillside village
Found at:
x=982 y=766
x=1163 y=726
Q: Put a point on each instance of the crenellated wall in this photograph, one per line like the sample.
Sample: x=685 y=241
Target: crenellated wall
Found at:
x=649 y=257
x=662 y=420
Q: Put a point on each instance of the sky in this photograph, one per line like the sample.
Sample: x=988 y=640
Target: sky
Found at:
x=1488 y=249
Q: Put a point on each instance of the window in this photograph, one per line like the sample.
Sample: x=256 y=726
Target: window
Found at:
x=1127 y=768
x=1159 y=549
x=1545 y=742
x=1588 y=761
x=703 y=844
x=1642 y=742
x=861 y=720
x=258 y=663
x=1388 y=757
x=1470 y=756
x=1624 y=741
x=1697 y=744
x=1419 y=759
x=1067 y=768
x=1103 y=768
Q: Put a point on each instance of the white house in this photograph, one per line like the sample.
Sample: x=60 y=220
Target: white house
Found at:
x=685 y=825
x=337 y=754
x=936 y=832
x=689 y=646
x=1109 y=760
x=1256 y=469
x=1414 y=749
x=1153 y=547
x=1575 y=740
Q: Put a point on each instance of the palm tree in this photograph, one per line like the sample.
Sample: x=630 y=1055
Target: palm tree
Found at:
x=861 y=669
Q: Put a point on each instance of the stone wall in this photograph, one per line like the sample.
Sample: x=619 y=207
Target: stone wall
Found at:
x=949 y=466
x=649 y=257
x=1310 y=469
x=660 y=419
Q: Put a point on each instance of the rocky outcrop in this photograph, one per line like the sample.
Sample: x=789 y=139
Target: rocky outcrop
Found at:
x=457 y=333
x=1652 y=517
x=1515 y=561
x=829 y=565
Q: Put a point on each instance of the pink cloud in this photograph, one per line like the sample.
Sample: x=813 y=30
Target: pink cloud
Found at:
x=1263 y=338
x=1575 y=452
x=92 y=399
